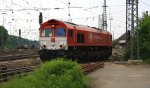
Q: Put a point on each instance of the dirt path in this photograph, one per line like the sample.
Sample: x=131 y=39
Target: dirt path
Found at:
x=121 y=76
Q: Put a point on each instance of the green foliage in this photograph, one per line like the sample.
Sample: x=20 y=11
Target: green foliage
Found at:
x=14 y=41
x=3 y=36
x=144 y=36
x=54 y=74
x=147 y=60
x=114 y=42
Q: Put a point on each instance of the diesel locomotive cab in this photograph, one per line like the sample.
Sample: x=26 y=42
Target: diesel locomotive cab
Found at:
x=53 y=39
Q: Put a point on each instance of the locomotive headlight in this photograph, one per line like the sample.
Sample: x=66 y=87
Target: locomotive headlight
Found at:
x=43 y=44
x=53 y=26
x=62 y=44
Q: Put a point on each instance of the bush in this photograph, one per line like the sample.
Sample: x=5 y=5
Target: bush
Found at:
x=54 y=74
x=147 y=60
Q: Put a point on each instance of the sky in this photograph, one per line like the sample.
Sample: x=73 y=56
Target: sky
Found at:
x=24 y=14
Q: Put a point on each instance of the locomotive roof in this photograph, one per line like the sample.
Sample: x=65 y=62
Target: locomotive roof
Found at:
x=83 y=27
x=70 y=25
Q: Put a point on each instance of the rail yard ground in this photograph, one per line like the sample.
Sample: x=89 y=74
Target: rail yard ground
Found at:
x=115 y=74
x=121 y=76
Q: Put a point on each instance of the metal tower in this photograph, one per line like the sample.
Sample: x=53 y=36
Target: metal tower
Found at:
x=99 y=22
x=132 y=26
x=104 y=16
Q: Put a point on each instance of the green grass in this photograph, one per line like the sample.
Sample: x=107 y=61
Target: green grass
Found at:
x=146 y=61
x=53 y=74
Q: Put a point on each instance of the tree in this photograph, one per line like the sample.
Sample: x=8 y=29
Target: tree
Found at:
x=3 y=36
x=144 y=36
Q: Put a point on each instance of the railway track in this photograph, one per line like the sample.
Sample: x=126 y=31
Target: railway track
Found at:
x=5 y=73
x=90 y=67
x=18 y=51
x=16 y=57
x=18 y=54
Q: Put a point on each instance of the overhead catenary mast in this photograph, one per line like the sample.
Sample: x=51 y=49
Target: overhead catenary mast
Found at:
x=132 y=25
x=104 y=16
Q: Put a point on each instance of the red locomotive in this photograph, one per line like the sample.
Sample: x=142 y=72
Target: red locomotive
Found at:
x=59 y=38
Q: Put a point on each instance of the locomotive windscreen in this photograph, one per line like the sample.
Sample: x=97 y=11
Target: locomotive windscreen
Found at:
x=47 y=32
x=60 y=32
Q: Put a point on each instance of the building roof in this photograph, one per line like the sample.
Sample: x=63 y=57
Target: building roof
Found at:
x=122 y=38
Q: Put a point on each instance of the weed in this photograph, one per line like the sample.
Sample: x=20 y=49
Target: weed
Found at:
x=54 y=74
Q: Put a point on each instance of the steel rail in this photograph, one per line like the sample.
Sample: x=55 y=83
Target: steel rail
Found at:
x=16 y=57
x=5 y=74
x=90 y=67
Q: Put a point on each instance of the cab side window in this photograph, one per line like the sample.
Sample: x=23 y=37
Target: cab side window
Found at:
x=70 y=33
x=80 y=38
